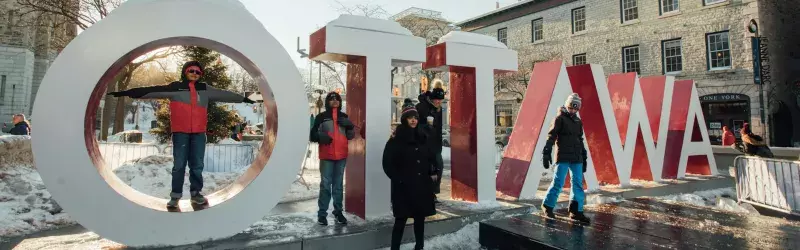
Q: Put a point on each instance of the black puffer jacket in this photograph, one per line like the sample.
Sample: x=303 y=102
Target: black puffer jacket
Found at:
x=567 y=133
x=425 y=109
x=409 y=163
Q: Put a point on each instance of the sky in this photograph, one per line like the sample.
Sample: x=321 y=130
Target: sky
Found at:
x=287 y=20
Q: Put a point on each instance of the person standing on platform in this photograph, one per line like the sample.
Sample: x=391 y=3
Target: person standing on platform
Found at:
x=567 y=133
x=188 y=105
x=332 y=129
x=430 y=111
x=409 y=162
x=728 y=138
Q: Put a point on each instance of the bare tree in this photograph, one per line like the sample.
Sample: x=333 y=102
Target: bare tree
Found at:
x=362 y=9
x=431 y=28
x=515 y=84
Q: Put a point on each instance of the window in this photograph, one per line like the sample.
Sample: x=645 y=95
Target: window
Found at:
x=504 y=115
x=500 y=85
x=578 y=20
x=719 y=51
x=2 y=90
x=673 y=57
x=668 y=6
x=537 y=29
x=579 y=59
x=630 y=59
x=710 y=2
x=629 y=10
x=502 y=35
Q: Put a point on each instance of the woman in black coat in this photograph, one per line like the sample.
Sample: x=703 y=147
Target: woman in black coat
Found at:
x=409 y=162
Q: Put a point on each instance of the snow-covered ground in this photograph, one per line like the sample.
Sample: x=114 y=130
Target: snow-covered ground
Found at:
x=464 y=239
x=722 y=199
x=25 y=203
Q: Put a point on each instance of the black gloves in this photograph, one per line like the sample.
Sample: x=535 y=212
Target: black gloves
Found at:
x=585 y=159
x=248 y=101
x=324 y=138
x=344 y=122
x=546 y=161
x=547 y=156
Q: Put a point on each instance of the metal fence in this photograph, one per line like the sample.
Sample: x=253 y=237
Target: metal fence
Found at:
x=770 y=183
x=218 y=157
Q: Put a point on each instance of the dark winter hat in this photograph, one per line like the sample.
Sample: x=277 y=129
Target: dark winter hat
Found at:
x=573 y=101
x=332 y=96
x=408 y=111
x=190 y=64
x=436 y=94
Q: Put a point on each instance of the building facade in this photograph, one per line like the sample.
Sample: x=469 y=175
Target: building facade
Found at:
x=28 y=44
x=703 y=40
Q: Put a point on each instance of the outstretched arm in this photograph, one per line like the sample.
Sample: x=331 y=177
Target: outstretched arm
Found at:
x=215 y=94
x=154 y=92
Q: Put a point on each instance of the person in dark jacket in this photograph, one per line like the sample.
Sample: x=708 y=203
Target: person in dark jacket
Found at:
x=21 y=125
x=430 y=107
x=567 y=133
x=189 y=100
x=409 y=162
x=752 y=144
x=332 y=129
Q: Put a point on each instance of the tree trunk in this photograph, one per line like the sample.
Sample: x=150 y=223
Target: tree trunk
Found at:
x=106 y=122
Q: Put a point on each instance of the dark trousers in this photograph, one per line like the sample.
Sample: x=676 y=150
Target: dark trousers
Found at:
x=187 y=148
x=400 y=226
x=437 y=186
x=331 y=186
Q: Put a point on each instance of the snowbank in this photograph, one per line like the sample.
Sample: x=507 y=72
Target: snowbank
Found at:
x=722 y=199
x=25 y=204
x=15 y=150
x=152 y=175
x=470 y=206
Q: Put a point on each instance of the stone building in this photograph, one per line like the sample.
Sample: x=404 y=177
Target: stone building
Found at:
x=407 y=82
x=28 y=44
x=703 y=40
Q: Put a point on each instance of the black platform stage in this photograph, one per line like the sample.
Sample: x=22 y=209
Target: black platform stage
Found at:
x=643 y=223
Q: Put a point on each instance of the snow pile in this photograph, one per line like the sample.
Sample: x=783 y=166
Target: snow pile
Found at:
x=600 y=199
x=15 y=150
x=464 y=239
x=25 y=204
x=120 y=137
x=717 y=198
x=152 y=175
x=471 y=206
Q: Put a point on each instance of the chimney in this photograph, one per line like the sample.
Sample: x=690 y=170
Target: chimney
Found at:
x=497 y=5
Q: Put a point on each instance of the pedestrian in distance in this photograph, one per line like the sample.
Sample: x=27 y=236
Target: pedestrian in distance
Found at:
x=728 y=138
x=752 y=144
x=410 y=163
x=567 y=133
x=332 y=130
x=21 y=125
x=188 y=105
x=430 y=112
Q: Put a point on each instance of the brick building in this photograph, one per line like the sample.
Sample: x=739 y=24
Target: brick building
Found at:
x=28 y=44
x=703 y=40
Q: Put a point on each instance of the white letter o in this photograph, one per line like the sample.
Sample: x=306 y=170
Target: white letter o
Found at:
x=60 y=142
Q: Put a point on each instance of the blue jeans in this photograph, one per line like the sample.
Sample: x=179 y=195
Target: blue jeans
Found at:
x=577 y=194
x=332 y=173
x=187 y=148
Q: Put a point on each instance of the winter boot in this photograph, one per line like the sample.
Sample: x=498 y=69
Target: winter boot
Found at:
x=173 y=203
x=548 y=211
x=340 y=219
x=198 y=199
x=577 y=215
x=322 y=221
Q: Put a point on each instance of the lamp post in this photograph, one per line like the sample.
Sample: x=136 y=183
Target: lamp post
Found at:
x=752 y=27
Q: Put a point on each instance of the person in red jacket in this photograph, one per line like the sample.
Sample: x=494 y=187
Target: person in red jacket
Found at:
x=727 y=136
x=332 y=129
x=188 y=104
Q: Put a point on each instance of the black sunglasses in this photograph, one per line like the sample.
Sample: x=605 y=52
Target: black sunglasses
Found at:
x=194 y=71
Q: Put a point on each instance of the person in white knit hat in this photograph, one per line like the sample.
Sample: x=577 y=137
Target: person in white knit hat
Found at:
x=567 y=133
